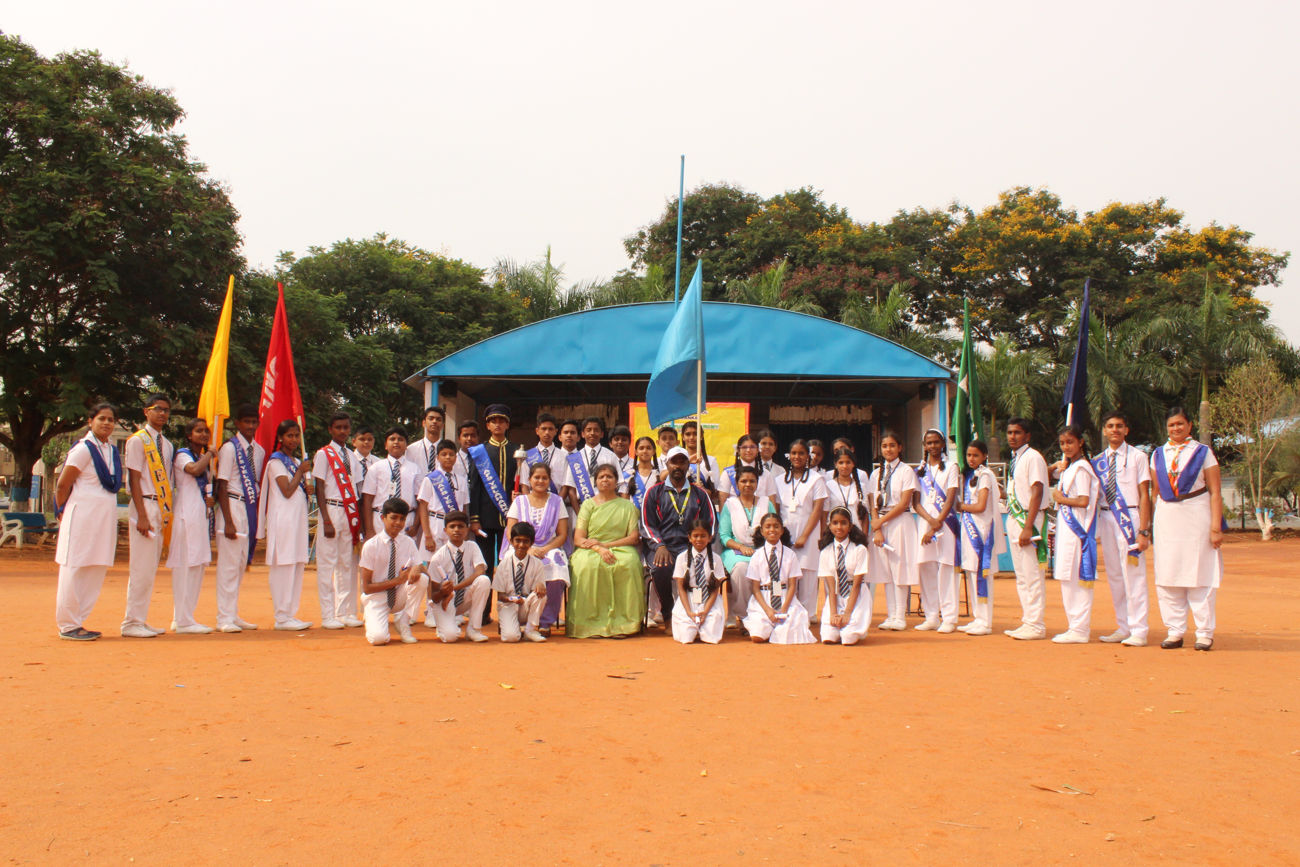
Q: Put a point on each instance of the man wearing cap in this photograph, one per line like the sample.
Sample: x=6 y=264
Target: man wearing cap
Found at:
x=668 y=510
x=492 y=472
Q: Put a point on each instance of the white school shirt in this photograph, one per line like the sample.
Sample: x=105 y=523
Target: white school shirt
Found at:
x=379 y=482
x=603 y=456
x=460 y=493
x=626 y=466
x=534 y=574
x=846 y=495
x=1185 y=486
x=947 y=479
x=712 y=568
x=902 y=482
x=1077 y=480
x=984 y=520
x=1028 y=467
x=1131 y=470
x=364 y=464
x=797 y=498
x=88 y=529
x=374 y=556
x=228 y=470
x=856 y=558
x=320 y=469
x=285 y=527
x=134 y=460
x=766 y=482
x=788 y=570
x=461 y=468
x=423 y=455
x=442 y=569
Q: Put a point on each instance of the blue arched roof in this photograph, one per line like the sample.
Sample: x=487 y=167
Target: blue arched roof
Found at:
x=740 y=339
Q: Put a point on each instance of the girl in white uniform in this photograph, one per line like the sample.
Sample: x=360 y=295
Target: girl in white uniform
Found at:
x=285 y=488
x=546 y=513
x=981 y=536
x=775 y=613
x=817 y=458
x=746 y=456
x=845 y=488
x=86 y=499
x=737 y=525
x=701 y=609
x=704 y=469
x=801 y=498
x=767 y=454
x=846 y=615
x=1076 y=535
x=936 y=524
x=191 y=546
x=1188 y=529
x=894 y=542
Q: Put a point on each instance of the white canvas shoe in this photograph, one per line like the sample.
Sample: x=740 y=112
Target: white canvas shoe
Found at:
x=534 y=635
x=244 y=624
x=194 y=629
x=293 y=624
x=352 y=622
x=331 y=624
x=926 y=625
x=1134 y=641
x=1070 y=638
x=228 y=627
x=138 y=630
x=945 y=628
x=1116 y=637
x=977 y=629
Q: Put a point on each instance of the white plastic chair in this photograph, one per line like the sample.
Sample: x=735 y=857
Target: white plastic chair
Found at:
x=12 y=529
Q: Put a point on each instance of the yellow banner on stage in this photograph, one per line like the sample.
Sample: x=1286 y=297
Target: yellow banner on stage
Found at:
x=723 y=424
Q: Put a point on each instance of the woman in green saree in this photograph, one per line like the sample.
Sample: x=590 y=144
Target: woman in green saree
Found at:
x=607 y=595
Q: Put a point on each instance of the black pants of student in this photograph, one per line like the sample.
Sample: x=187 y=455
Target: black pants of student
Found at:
x=662 y=576
x=491 y=548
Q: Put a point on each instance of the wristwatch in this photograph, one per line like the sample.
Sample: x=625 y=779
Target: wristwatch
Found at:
x=1146 y=533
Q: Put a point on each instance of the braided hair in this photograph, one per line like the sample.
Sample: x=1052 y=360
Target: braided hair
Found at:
x=857 y=481
x=700 y=524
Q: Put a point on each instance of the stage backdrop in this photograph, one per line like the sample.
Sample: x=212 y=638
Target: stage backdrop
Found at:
x=723 y=424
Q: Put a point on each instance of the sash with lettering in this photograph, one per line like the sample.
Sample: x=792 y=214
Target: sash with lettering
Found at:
x=343 y=479
x=248 y=479
x=1017 y=510
x=162 y=487
x=1168 y=485
x=581 y=478
x=1087 y=539
x=534 y=457
x=982 y=547
x=491 y=479
x=1118 y=506
x=442 y=490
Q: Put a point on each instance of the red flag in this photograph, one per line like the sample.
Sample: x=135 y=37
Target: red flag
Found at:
x=280 y=396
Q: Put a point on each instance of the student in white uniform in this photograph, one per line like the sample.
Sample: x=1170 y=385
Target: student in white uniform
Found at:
x=775 y=613
x=801 y=499
x=458 y=582
x=1124 y=529
x=846 y=489
x=593 y=455
x=737 y=526
x=701 y=609
x=620 y=442
x=1076 y=535
x=1188 y=532
x=521 y=586
x=547 y=450
x=439 y=494
x=191 y=548
x=546 y=513
x=936 y=526
x=424 y=453
x=569 y=438
x=846 y=614
x=817 y=457
x=467 y=436
x=390 y=576
x=86 y=499
x=981 y=536
x=746 y=456
x=391 y=477
x=240 y=463
x=339 y=500
x=894 y=540
x=767 y=448
x=363 y=446
x=145 y=520
x=286 y=489
x=1026 y=529
x=704 y=469
x=667 y=437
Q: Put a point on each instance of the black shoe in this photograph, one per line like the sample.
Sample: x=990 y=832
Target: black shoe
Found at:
x=1205 y=645
x=79 y=634
x=1171 y=643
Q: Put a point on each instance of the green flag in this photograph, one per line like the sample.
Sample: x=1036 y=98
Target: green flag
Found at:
x=967 y=417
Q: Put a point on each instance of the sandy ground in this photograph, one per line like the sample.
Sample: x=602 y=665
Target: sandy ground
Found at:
x=276 y=748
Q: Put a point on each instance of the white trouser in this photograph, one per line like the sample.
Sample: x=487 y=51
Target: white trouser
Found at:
x=1127 y=578
x=740 y=589
x=1174 y=604
x=336 y=580
x=509 y=615
x=374 y=607
x=444 y=615
x=806 y=591
x=232 y=561
x=710 y=631
x=891 y=603
x=939 y=592
x=286 y=590
x=186 y=581
x=78 y=589
x=1030 y=583
x=1076 y=597
x=902 y=595
x=144 y=557
x=981 y=609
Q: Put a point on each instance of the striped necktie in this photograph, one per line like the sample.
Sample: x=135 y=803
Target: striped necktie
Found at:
x=395 y=484
x=458 y=563
x=701 y=580
x=521 y=566
x=591 y=463
x=1112 y=485
x=774 y=570
x=392 y=572
x=431 y=452
x=842 y=572
x=365 y=466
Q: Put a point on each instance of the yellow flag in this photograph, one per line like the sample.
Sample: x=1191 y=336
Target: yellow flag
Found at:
x=214 y=400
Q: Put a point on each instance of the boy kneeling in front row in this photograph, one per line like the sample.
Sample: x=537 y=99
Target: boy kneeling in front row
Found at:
x=458 y=583
x=392 y=577
x=520 y=583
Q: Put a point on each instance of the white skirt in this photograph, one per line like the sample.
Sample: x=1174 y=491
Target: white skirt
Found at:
x=190 y=545
x=900 y=565
x=793 y=630
x=1183 y=554
x=87 y=532
x=942 y=550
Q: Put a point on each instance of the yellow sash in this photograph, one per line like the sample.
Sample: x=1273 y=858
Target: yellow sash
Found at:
x=161 y=485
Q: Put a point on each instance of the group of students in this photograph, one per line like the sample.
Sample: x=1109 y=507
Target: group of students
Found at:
x=415 y=534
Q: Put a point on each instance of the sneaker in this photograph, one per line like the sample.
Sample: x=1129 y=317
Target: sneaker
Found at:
x=352 y=622
x=967 y=627
x=331 y=623
x=1116 y=637
x=1134 y=641
x=945 y=628
x=404 y=630
x=228 y=627
x=293 y=624
x=534 y=635
x=977 y=629
x=79 y=634
x=138 y=630
x=1027 y=633
x=430 y=622
x=1070 y=638
x=475 y=636
x=926 y=625
x=194 y=629
x=244 y=624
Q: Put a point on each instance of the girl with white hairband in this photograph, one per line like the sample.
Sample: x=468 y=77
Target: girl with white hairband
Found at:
x=937 y=526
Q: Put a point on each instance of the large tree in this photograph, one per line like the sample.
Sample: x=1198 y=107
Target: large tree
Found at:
x=114 y=244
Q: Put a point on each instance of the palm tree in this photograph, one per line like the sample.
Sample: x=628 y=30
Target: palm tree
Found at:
x=766 y=289
x=1012 y=381
x=888 y=319
x=538 y=286
x=629 y=288
x=1123 y=376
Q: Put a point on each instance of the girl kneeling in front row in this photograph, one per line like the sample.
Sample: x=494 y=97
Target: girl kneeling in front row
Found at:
x=701 y=610
x=774 y=613
x=846 y=614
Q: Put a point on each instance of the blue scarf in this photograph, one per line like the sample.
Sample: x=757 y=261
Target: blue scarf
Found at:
x=292 y=466
x=111 y=482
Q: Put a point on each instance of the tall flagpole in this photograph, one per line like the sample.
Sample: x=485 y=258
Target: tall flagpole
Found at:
x=681 y=194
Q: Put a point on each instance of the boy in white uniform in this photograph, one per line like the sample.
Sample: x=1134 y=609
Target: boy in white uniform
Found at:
x=145 y=516
x=234 y=495
x=467 y=436
x=424 y=454
x=363 y=443
x=390 y=576
x=520 y=585
x=458 y=582
x=593 y=455
x=1125 y=487
x=1026 y=535
x=336 y=582
x=391 y=477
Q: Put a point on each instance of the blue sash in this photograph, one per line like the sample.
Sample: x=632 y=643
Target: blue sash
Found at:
x=1189 y=470
x=1118 y=508
x=535 y=457
x=248 y=479
x=442 y=490
x=581 y=478
x=111 y=482
x=983 y=547
x=635 y=489
x=1088 y=561
x=201 y=481
x=491 y=481
x=731 y=476
x=937 y=497
x=292 y=467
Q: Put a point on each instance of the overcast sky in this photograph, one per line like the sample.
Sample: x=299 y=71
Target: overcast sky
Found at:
x=492 y=129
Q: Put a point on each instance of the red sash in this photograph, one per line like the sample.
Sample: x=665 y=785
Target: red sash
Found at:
x=343 y=479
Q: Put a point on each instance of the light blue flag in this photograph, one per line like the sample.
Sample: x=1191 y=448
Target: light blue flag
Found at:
x=676 y=387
